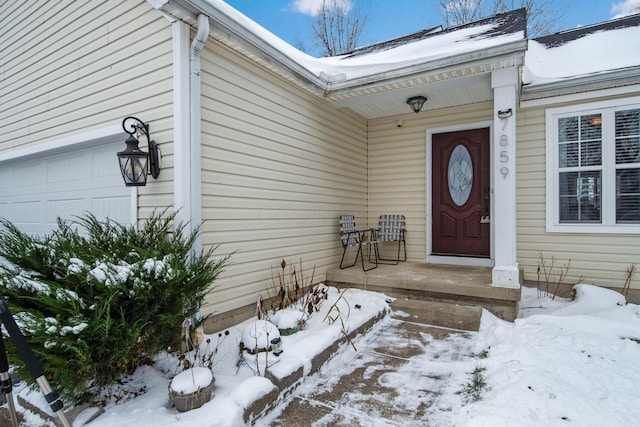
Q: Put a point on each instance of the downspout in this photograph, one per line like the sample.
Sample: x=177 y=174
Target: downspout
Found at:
x=196 y=127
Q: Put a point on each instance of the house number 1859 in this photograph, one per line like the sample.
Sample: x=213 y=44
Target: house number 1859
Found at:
x=504 y=157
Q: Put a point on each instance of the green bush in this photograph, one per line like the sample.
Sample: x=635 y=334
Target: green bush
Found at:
x=95 y=299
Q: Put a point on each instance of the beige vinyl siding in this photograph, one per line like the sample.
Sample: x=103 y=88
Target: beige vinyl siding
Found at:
x=595 y=258
x=278 y=168
x=69 y=67
x=398 y=170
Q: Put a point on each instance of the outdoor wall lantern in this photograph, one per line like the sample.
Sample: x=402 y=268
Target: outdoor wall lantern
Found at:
x=136 y=164
x=416 y=102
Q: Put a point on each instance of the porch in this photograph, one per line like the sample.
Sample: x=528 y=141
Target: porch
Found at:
x=453 y=284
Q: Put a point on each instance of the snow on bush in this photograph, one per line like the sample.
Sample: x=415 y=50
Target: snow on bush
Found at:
x=95 y=299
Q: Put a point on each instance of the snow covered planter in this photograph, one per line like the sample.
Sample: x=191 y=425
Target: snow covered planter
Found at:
x=256 y=345
x=288 y=320
x=257 y=336
x=191 y=389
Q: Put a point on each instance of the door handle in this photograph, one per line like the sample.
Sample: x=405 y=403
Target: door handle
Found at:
x=486 y=218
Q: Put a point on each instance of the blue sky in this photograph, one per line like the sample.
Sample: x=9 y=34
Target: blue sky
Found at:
x=394 y=18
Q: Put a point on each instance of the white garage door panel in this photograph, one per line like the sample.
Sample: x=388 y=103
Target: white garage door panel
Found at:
x=34 y=192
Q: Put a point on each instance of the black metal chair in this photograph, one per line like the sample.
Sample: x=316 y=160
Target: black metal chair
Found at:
x=350 y=236
x=391 y=228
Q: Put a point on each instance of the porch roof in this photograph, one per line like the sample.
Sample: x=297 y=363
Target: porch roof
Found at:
x=450 y=66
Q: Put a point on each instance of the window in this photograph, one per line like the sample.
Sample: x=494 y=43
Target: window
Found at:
x=593 y=168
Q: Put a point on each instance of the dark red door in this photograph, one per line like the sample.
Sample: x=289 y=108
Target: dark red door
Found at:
x=460 y=194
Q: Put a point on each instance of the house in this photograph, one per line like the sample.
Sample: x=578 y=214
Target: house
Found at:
x=578 y=152
x=268 y=146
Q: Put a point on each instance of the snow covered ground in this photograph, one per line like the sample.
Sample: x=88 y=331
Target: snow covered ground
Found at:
x=561 y=363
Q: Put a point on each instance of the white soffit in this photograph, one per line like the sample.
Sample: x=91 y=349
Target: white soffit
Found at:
x=443 y=94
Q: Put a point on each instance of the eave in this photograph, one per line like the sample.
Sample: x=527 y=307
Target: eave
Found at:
x=588 y=83
x=465 y=74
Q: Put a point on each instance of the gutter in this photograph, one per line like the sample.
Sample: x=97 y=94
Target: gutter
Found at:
x=195 y=125
x=187 y=190
x=228 y=31
x=512 y=52
x=623 y=77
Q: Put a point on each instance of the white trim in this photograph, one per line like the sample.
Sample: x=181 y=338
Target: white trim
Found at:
x=455 y=260
x=608 y=225
x=95 y=135
x=575 y=97
x=195 y=99
x=181 y=123
x=133 y=212
x=503 y=215
x=609 y=103
x=428 y=162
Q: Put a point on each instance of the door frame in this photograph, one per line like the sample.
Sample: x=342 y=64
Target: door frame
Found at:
x=439 y=259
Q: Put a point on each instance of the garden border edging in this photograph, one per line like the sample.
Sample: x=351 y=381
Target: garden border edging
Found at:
x=283 y=386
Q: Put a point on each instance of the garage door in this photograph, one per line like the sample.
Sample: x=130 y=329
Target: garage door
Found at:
x=35 y=191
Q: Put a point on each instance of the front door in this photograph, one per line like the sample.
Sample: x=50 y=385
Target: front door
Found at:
x=460 y=193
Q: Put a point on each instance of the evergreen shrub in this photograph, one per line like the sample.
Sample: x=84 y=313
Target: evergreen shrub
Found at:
x=96 y=299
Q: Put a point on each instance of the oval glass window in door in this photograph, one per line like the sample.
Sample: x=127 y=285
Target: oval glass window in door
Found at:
x=460 y=175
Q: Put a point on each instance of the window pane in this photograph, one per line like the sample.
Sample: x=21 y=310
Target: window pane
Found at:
x=628 y=196
x=627 y=136
x=627 y=150
x=580 y=141
x=568 y=129
x=568 y=155
x=591 y=127
x=591 y=153
x=628 y=123
x=580 y=197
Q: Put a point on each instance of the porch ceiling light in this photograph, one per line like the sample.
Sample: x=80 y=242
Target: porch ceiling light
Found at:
x=136 y=164
x=416 y=102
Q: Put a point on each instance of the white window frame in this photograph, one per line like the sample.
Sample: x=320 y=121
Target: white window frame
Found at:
x=608 y=224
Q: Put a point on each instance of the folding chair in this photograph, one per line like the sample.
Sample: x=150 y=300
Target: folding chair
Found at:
x=350 y=236
x=391 y=228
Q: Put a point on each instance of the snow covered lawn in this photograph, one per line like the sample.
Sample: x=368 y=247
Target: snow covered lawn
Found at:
x=561 y=363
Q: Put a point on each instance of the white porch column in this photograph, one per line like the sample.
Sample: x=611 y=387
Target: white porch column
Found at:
x=503 y=218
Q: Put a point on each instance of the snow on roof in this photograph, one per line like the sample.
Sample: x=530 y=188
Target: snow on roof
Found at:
x=562 y=57
x=597 y=49
x=414 y=49
x=453 y=42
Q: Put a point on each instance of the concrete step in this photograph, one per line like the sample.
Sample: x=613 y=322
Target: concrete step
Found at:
x=446 y=315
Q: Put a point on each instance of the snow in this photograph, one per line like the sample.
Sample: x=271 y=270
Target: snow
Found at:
x=158 y=268
x=559 y=368
x=288 y=318
x=191 y=380
x=111 y=274
x=348 y=68
x=562 y=362
x=589 y=55
x=249 y=390
x=258 y=334
x=76 y=266
x=593 y=54
x=28 y=284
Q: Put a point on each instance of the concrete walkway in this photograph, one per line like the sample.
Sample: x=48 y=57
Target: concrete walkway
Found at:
x=396 y=377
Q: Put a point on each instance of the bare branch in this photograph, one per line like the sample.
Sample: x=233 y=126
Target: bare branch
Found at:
x=543 y=17
x=338 y=27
